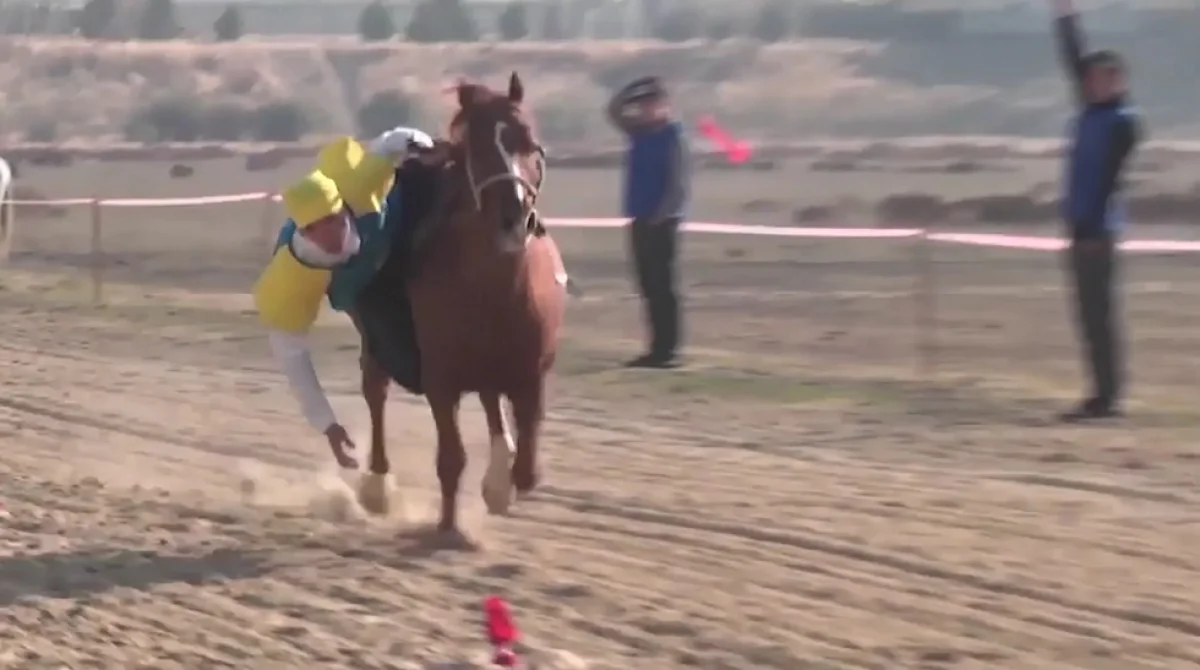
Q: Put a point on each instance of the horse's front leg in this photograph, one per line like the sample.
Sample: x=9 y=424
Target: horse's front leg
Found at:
x=451 y=454
x=497 y=482
x=529 y=409
x=373 y=490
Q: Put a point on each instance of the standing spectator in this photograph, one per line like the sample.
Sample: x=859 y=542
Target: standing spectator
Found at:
x=656 y=193
x=1105 y=133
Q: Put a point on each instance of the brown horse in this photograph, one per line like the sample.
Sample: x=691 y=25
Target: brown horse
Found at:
x=488 y=299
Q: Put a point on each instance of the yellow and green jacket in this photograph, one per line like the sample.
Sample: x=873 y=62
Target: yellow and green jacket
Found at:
x=289 y=291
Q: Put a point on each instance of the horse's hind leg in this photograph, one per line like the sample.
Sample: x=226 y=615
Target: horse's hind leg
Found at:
x=529 y=409
x=497 y=482
x=372 y=490
x=451 y=455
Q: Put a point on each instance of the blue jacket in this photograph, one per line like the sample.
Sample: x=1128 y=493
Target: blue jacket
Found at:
x=656 y=173
x=1103 y=136
x=377 y=233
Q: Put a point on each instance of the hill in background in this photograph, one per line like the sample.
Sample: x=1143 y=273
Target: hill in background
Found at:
x=60 y=88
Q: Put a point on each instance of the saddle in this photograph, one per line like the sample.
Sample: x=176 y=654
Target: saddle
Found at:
x=383 y=311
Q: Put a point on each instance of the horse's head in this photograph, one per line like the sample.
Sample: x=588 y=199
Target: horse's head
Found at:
x=503 y=162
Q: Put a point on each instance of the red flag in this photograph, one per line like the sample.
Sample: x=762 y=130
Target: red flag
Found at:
x=501 y=631
x=736 y=151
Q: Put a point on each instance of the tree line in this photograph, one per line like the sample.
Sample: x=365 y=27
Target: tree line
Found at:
x=451 y=21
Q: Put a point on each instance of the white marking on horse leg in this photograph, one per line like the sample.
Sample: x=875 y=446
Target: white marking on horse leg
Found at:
x=497 y=481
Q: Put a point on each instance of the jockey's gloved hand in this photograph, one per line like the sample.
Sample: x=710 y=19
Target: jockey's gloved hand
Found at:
x=398 y=142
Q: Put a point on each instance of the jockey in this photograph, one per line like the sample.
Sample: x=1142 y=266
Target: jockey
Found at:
x=337 y=237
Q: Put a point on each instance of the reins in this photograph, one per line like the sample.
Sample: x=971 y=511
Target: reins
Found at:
x=461 y=150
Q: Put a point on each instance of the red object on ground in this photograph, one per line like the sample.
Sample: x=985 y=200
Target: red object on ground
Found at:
x=736 y=151
x=501 y=631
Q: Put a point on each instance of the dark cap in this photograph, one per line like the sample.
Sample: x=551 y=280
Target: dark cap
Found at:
x=646 y=88
x=1105 y=58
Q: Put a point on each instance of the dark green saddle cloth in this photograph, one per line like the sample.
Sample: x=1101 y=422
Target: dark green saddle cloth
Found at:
x=383 y=309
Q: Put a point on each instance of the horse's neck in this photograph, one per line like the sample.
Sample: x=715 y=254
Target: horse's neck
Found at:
x=461 y=251
x=459 y=241
x=464 y=239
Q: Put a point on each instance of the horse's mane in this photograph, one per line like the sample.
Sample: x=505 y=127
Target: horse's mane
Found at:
x=477 y=93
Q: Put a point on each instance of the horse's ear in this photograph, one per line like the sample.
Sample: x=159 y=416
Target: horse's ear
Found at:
x=516 y=90
x=466 y=95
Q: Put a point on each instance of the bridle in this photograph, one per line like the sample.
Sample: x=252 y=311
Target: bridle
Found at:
x=512 y=175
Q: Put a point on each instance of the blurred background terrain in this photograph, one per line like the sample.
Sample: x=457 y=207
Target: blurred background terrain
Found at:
x=187 y=70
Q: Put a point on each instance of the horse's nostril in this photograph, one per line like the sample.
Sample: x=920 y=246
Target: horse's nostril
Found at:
x=513 y=220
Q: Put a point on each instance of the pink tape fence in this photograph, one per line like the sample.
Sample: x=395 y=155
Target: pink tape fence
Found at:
x=1028 y=242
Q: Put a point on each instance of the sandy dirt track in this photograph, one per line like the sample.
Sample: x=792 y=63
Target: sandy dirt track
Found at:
x=656 y=543
x=795 y=500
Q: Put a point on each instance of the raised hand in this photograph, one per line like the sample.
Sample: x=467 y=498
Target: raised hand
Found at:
x=1063 y=7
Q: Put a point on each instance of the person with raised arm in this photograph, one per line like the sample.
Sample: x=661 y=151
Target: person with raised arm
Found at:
x=656 y=193
x=1102 y=139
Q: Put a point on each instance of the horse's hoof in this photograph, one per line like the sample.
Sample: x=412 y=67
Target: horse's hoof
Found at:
x=497 y=484
x=373 y=494
x=454 y=539
x=497 y=497
x=525 y=480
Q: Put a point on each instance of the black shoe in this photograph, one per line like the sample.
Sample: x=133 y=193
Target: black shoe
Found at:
x=1091 y=409
x=654 y=362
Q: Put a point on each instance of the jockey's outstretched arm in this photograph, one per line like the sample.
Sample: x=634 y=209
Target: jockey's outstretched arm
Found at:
x=291 y=352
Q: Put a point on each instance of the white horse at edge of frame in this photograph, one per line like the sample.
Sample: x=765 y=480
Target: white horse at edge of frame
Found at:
x=7 y=210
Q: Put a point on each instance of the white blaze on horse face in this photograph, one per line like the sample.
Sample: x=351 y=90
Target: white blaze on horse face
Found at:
x=513 y=167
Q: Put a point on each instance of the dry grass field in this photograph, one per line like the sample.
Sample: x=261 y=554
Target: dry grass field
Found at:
x=801 y=496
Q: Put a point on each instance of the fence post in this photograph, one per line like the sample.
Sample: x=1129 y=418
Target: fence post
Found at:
x=8 y=223
x=925 y=306
x=97 y=254
x=265 y=224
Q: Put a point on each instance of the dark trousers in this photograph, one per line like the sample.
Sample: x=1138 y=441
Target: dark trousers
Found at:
x=384 y=319
x=1093 y=266
x=655 y=247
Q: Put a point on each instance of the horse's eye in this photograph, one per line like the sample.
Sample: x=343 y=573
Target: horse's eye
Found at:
x=518 y=139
